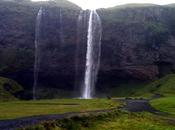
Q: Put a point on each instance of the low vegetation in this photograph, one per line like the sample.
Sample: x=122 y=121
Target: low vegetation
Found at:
x=164 y=87
x=125 y=90
x=165 y=104
x=8 y=88
x=117 y=120
x=17 y=109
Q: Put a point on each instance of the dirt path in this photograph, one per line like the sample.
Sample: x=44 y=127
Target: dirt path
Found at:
x=134 y=105
x=137 y=105
x=141 y=105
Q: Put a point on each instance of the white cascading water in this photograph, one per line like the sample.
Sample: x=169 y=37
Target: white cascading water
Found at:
x=93 y=54
x=37 y=62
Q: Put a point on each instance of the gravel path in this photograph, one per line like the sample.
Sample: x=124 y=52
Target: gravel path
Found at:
x=140 y=105
x=137 y=105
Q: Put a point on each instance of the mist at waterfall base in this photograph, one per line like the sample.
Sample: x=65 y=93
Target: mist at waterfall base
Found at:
x=93 y=52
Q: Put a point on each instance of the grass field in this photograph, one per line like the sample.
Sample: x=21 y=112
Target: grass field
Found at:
x=166 y=104
x=117 y=120
x=16 y=109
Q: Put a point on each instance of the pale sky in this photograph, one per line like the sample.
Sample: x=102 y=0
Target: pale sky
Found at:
x=94 y=4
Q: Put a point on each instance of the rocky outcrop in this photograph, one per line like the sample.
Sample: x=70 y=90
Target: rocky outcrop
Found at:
x=9 y=89
x=138 y=43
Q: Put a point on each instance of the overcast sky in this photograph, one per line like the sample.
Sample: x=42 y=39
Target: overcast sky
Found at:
x=93 y=4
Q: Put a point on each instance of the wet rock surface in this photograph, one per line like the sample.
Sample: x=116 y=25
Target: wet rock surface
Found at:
x=137 y=43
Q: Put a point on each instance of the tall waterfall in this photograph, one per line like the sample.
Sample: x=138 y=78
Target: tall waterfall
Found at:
x=37 y=62
x=93 y=54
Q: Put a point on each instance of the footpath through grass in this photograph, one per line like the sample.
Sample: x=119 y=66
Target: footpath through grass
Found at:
x=165 y=104
x=17 y=109
x=117 y=120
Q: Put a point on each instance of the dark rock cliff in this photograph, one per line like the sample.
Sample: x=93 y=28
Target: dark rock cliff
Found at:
x=138 y=42
x=17 y=36
x=137 y=45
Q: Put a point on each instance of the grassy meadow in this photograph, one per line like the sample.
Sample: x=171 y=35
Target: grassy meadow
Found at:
x=123 y=120
x=17 y=109
x=116 y=120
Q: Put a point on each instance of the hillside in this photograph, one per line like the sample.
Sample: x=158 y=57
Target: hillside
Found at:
x=8 y=89
x=163 y=87
x=54 y=3
x=17 y=42
x=139 y=39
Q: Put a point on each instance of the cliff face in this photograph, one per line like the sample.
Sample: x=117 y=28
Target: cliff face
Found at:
x=139 y=39
x=138 y=43
x=58 y=37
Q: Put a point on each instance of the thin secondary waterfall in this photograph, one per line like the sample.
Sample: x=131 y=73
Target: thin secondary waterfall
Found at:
x=61 y=27
x=77 y=51
x=37 y=62
x=93 y=54
x=80 y=51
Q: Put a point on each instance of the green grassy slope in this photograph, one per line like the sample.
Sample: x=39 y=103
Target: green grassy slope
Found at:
x=166 y=104
x=164 y=86
x=124 y=90
x=8 y=88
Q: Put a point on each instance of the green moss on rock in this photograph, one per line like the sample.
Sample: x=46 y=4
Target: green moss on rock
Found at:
x=164 y=86
x=8 y=88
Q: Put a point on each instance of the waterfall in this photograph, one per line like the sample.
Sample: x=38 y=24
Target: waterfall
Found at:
x=37 y=61
x=61 y=27
x=92 y=55
x=77 y=52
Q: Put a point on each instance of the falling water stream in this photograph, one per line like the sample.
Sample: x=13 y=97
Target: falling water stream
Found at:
x=37 y=39
x=61 y=27
x=92 y=55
